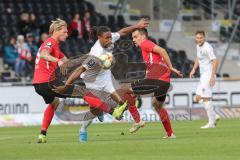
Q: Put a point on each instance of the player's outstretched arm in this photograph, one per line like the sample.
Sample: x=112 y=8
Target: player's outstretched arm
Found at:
x=195 y=66
x=166 y=58
x=44 y=54
x=143 y=23
x=74 y=76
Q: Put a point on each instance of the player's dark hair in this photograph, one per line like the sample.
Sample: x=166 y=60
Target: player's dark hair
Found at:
x=200 y=32
x=142 y=31
x=97 y=31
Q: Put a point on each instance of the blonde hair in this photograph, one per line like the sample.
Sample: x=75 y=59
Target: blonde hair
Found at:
x=56 y=25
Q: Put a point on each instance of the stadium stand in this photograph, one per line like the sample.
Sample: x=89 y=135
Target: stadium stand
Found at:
x=34 y=16
x=220 y=12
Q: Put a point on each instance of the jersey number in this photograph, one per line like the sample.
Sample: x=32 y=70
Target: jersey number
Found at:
x=38 y=59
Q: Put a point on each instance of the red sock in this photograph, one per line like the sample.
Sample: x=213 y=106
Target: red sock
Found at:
x=97 y=103
x=132 y=108
x=47 y=118
x=162 y=112
x=135 y=114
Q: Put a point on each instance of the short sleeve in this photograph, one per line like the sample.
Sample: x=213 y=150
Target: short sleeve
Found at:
x=90 y=62
x=147 y=46
x=210 y=53
x=48 y=46
x=115 y=37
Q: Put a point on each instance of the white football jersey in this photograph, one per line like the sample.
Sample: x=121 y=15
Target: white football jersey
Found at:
x=95 y=76
x=205 y=56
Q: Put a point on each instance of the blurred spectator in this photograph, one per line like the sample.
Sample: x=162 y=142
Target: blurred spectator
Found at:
x=44 y=36
x=24 y=56
x=32 y=21
x=76 y=27
x=33 y=26
x=24 y=24
x=33 y=49
x=31 y=44
x=86 y=20
x=87 y=24
x=10 y=52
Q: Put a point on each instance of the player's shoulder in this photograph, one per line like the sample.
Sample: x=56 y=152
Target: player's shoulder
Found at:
x=147 y=43
x=50 y=39
x=96 y=48
x=207 y=45
x=50 y=42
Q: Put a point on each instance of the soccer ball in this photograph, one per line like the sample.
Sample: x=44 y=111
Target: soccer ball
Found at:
x=106 y=60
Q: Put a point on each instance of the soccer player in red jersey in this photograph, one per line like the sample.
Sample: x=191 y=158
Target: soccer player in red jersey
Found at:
x=159 y=68
x=49 y=57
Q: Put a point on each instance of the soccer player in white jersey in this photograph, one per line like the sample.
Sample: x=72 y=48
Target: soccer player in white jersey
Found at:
x=93 y=76
x=208 y=64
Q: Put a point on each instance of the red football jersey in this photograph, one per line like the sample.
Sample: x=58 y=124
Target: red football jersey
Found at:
x=156 y=66
x=43 y=68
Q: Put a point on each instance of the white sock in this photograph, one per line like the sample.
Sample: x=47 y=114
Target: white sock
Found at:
x=210 y=112
x=85 y=125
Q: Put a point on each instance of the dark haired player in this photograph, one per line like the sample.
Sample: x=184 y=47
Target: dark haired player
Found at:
x=159 y=68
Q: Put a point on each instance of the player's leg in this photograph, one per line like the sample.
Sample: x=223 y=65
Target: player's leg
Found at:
x=83 y=134
x=113 y=88
x=49 y=97
x=213 y=118
x=83 y=137
x=49 y=113
x=163 y=115
x=207 y=103
x=47 y=119
x=126 y=97
x=117 y=98
x=132 y=108
x=204 y=96
x=98 y=102
x=145 y=86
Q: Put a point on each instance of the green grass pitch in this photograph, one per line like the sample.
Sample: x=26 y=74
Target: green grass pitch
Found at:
x=106 y=142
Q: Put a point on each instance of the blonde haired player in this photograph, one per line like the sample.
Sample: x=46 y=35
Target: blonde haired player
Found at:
x=208 y=64
x=48 y=59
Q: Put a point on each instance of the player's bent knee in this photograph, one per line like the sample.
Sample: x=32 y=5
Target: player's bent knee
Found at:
x=154 y=102
x=55 y=102
x=115 y=96
x=127 y=88
x=157 y=104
